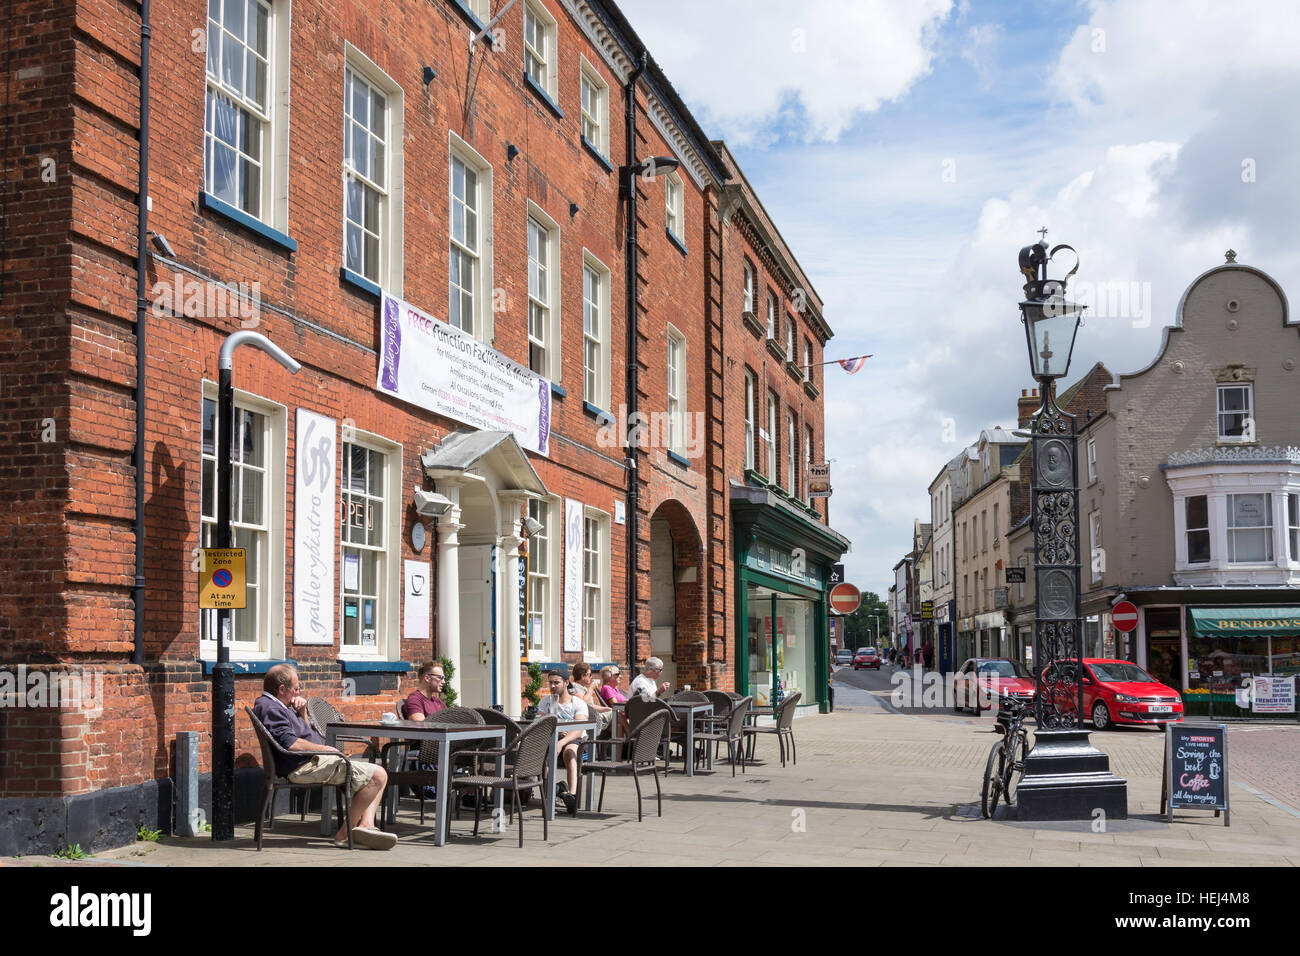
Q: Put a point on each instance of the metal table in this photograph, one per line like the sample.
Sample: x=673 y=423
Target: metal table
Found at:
x=590 y=727
x=687 y=711
x=443 y=735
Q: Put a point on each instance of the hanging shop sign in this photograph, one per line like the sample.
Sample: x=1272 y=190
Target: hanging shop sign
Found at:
x=313 y=529
x=573 y=528
x=436 y=366
x=819 y=479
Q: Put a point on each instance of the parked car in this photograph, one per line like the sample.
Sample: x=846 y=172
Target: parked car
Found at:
x=866 y=657
x=982 y=680
x=844 y=656
x=1121 y=692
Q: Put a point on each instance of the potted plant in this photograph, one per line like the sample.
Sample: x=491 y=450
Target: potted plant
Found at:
x=531 y=690
x=449 y=694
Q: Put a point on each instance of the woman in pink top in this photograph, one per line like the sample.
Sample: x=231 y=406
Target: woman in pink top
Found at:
x=610 y=693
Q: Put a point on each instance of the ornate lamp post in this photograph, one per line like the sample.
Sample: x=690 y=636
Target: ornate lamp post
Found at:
x=1065 y=777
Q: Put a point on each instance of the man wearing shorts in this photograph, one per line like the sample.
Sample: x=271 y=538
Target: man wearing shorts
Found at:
x=283 y=712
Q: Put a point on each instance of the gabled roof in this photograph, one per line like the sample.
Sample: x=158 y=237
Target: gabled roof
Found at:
x=461 y=451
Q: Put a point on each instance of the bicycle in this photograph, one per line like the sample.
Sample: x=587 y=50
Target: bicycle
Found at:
x=1007 y=758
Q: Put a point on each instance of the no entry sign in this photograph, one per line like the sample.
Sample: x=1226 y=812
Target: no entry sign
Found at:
x=845 y=598
x=1125 y=616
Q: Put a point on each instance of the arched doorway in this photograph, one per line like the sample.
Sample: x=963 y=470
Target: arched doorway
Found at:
x=678 y=635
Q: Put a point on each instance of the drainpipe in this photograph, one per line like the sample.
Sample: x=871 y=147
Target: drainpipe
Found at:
x=141 y=310
x=628 y=186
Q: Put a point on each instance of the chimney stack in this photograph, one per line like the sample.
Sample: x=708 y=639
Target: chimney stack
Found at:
x=1026 y=406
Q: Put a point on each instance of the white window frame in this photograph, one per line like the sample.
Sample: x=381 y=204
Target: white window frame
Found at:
x=598 y=117
x=1293 y=527
x=749 y=287
x=543 y=61
x=388 y=613
x=1188 y=530
x=792 y=453
x=269 y=596
x=749 y=421
x=676 y=393
x=807 y=359
x=1094 y=542
x=544 y=646
x=1247 y=414
x=791 y=338
x=392 y=192
x=550 y=288
x=480 y=288
x=1092 y=460
x=480 y=8
x=675 y=206
x=807 y=461
x=602 y=651
x=1268 y=527
x=271 y=117
x=772 y=409
x=599 y=394
x=771 y=314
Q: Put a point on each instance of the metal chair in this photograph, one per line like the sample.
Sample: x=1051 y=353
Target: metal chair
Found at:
x=644 y=742
x=321 y=713
x=733 y=735
x=782 y=728
x=275 y=782
x=395 y=759
x=529 y=770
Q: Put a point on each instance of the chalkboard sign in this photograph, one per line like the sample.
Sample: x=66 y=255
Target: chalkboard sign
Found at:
x=1196 y=769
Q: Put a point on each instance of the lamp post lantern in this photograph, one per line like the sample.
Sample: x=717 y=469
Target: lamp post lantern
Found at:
x=1065 y=777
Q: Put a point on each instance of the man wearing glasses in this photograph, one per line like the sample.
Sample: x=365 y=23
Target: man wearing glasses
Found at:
x=426 y=700
x=647 y=682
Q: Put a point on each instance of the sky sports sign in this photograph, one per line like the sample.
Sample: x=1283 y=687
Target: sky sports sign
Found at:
x=436 y=366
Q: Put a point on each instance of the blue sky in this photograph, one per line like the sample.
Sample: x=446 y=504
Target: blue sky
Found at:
x=907 y=150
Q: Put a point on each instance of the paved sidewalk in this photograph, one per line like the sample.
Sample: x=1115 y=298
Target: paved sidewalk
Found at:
x=871 y=788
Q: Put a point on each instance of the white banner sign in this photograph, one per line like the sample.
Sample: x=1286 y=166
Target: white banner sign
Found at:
x=1273 y=695
x=314 y=514
x=415 y=625
x=572 y=575
x=429 y=363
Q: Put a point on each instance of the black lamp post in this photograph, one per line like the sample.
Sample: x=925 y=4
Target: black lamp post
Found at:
x=1065 y=777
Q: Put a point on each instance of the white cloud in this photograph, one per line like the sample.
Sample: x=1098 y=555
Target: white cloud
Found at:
x=748 y=66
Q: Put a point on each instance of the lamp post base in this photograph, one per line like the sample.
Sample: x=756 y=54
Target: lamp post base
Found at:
x=1067 y=778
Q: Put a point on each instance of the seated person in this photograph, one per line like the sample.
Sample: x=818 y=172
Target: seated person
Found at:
x=583 y=687
x=283 y=712
x=609 y=686
x=645 y=682
x=426 y=700
x=565 y=707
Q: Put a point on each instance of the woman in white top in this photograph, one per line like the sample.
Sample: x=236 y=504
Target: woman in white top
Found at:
x=645 y=682
x=565 y=707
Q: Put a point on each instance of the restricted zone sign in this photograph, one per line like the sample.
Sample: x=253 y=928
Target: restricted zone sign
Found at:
x=1124 y=616
x=845 y=598
x=221 y=580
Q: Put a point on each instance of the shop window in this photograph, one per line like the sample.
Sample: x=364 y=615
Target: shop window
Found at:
x=1198 y=530
x=595 y=586
x=256 y=519
x=1250 y=529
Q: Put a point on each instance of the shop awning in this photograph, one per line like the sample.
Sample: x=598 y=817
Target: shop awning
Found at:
x=1244 y=621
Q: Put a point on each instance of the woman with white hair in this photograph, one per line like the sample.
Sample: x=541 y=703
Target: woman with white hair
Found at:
x=645 y=682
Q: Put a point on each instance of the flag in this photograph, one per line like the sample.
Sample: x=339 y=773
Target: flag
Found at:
x=851 y=365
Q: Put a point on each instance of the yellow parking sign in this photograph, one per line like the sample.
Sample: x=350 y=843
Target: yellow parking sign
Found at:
x=221 y=580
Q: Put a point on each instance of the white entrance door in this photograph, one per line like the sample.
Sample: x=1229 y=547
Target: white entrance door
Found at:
x=474 y=682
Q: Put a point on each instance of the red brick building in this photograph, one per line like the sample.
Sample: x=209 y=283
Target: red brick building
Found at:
x=422 y=206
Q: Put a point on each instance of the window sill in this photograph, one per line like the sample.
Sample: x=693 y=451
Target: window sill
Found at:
x=248 y=667
x=812 y=390
x=598 y=413
x=208 y=201
x=679 y=459
x=559 y=391
x=774 y=347
x=597 y=154
x=543 y=96
x=794 y=370
x=360 y=282
x=753 y=477
x=752 y=323
x=472 y=17
x=681 y=246
x=373 y=667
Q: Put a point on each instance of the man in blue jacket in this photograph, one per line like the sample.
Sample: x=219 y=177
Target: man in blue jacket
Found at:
x=283 y=712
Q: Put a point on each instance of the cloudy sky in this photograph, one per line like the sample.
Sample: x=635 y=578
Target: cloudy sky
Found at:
x=908 y=149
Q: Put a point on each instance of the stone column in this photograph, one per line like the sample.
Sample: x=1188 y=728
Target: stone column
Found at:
x=448 y=593
x=508 y=660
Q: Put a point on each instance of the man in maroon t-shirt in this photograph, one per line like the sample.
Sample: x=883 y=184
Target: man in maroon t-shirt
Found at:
x=426 y=700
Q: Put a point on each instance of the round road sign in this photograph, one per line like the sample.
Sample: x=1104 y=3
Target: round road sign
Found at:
x=1124 y=616
x=845 y=598
x=222 y=578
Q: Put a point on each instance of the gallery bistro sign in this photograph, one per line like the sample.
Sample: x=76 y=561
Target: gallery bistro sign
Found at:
x=425 y=361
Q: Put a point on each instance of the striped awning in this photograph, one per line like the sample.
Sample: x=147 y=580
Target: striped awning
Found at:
x=1244 y=621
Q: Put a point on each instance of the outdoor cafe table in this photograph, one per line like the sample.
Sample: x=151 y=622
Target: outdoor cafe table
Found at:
x=562 y=727
x=688 y=711
x=442 y=734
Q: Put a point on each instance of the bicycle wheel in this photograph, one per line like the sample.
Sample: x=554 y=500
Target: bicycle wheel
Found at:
x=1012 y=768
x=992 y=782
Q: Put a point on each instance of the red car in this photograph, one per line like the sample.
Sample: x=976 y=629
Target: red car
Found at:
x=1121 y=692
x=982 y=680
x=866 y=657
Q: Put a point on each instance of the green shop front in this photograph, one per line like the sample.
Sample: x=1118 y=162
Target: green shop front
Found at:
x=1228 y=647
x=783 y=561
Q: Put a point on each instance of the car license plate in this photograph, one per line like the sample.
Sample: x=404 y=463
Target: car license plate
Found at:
x=1159 y=708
